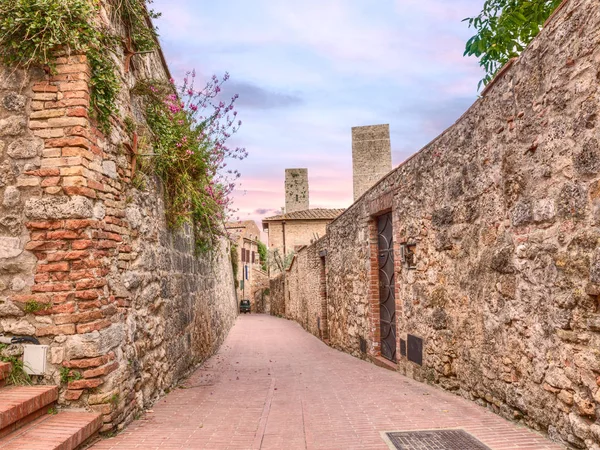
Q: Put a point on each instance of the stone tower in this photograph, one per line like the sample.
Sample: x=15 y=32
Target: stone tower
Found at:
x=296 y=190
x=371 y=156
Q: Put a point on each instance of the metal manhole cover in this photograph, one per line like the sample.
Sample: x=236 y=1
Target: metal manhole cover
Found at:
x=435 y=440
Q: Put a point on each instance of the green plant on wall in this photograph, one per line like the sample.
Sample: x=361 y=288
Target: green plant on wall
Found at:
x=233 y=255
x=186 y=149
x=32 y=32
x=17 y=375
x=263 y=253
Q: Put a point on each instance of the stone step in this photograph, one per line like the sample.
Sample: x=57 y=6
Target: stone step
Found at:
x=5 y=369
x=63 y=431
x=19 y=403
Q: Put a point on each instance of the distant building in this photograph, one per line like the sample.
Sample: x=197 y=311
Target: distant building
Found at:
x=250 y=275
x=290 y=231
x=371 y=156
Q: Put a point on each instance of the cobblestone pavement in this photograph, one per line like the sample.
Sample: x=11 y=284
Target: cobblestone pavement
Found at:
x=274 y=386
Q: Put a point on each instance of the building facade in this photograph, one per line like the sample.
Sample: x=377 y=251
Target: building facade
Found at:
x=246 y=236
x=290 y=231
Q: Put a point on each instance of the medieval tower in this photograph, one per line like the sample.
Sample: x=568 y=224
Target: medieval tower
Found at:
x=296 y=190
x=371 y=156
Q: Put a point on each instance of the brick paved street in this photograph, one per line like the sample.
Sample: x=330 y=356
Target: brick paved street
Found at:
x=274 y=386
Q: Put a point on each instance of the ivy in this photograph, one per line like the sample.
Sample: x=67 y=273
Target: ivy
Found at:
x=263 y=253
x=34 y=32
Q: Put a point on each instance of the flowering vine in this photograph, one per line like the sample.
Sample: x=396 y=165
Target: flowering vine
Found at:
x=189 y=128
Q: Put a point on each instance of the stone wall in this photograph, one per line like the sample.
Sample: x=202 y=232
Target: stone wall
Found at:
x=303 y=301
x=502 y=213
x=277 y=295
x=117 y=297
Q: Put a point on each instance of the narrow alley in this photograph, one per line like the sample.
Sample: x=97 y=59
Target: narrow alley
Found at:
x=274 y=386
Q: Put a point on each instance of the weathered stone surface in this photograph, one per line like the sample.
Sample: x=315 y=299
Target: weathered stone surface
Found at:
x=59 y=208
x=14 y=102
x=10 y=247
x=12 y=126
x=9 y=309
x=505 y=290
x=94 y=344
x=18 y=328
x=25 y=148
x=12 y=197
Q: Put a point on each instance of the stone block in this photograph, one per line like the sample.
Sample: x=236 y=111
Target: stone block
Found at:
x=12 y=126
x=25 y=148
x=63 y=207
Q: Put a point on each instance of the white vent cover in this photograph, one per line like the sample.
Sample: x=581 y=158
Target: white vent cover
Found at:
x=34 y=359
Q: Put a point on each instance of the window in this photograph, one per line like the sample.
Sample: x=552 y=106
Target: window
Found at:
x=252 y=257
x=243 y=255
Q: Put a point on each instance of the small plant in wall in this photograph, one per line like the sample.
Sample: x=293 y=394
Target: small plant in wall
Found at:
x=67 y=375
x=189 y=128
x=33 y=306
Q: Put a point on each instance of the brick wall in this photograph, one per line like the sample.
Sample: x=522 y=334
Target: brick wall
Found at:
x=127 y=304
x=503 y=208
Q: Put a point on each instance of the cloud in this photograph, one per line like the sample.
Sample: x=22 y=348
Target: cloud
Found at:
x=308 y=71
x=253 y=96
x=264 y=211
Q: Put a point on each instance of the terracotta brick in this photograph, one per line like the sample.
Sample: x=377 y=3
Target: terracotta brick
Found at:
x=73 y=394
x=82 y=244
x=59 y=122
x=54 y=287
x=51 y=181
x=56 y=267
x=53 y=190
x=74 y=181
x=86 y=362
x=89 y=294
x=78 y=317
x=106 y=244
x=72 y=68
x=66 y=103
x=44 y=87
x=85 y=384
x=44 y=96
x=56 y=330
x=86 y=192
x=73 y=86
x=68 y=142
x=77 y=112
x=49 y=133
x=77 y=151
x=84 y=306
x=48 y=113
x=93 y=326
x=89 y=284
x=100 y=371
x=105 y=408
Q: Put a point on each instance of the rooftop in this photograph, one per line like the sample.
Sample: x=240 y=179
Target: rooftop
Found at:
x=307 y=214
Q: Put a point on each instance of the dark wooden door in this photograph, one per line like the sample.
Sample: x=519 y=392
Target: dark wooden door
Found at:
x=387 y=296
